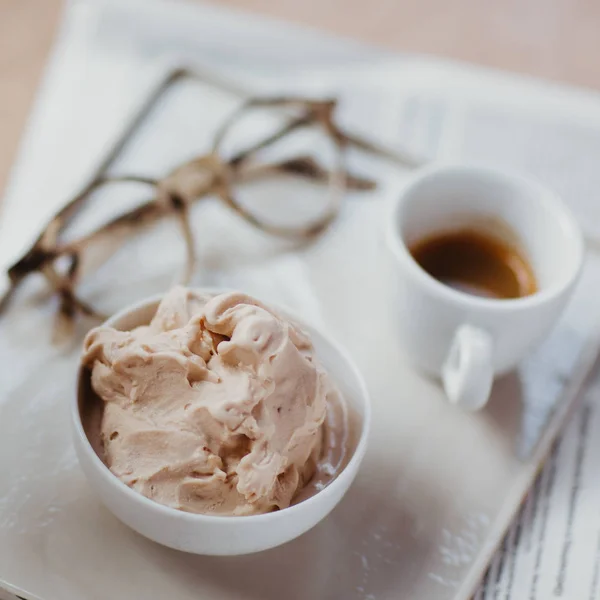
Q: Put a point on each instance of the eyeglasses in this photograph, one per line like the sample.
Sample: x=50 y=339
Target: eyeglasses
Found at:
x=278 y=163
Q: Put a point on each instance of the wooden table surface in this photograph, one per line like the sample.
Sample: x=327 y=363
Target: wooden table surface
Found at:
x=555 y=39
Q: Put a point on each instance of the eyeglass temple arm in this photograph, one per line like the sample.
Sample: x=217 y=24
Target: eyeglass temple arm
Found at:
x=306 y=166
x=399 y=157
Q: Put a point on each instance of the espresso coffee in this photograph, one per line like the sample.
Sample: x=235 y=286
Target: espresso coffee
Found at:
x=476 y=263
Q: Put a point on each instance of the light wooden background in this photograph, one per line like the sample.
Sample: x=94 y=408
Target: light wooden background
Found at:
x=556 y=39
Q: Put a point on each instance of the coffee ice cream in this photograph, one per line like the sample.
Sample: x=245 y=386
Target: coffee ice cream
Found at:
x=218 y=406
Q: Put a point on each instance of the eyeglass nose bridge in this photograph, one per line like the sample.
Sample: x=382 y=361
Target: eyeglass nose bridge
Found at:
x=197 y=178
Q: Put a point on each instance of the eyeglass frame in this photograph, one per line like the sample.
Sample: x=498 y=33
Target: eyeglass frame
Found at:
x=171 y=199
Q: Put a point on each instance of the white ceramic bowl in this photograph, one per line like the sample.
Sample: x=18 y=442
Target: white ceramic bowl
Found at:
x=225 y=535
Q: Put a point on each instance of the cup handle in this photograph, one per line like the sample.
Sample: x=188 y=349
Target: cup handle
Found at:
x=467 y=373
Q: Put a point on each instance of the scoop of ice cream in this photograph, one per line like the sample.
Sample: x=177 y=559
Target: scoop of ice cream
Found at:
x=217 y=406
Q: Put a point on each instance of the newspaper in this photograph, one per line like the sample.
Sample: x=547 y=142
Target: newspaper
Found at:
x=552 y=549
x=375 y=546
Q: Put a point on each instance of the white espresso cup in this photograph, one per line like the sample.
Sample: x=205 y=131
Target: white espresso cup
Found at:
x=466 y=339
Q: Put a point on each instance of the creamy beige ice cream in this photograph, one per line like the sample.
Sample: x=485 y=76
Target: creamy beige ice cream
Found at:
x=217 y=406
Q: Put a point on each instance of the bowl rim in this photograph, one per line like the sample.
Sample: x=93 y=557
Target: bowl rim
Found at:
x=349 y=470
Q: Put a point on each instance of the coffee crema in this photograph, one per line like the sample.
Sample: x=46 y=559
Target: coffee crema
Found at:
x=476 y=263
